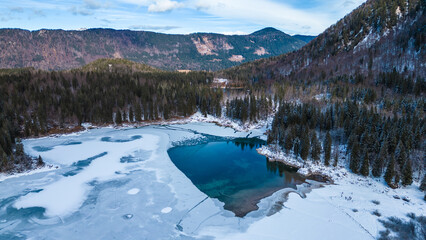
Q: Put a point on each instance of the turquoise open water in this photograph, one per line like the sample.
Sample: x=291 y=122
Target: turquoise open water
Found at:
x=233 y=172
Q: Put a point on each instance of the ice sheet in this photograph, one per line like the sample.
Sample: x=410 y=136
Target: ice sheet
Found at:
x=105 y=198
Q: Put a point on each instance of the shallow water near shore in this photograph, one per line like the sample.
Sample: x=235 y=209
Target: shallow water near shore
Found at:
x=233 y=172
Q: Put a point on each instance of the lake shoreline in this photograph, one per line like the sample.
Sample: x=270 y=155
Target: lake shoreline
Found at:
x=196 y=117
x=307 y=170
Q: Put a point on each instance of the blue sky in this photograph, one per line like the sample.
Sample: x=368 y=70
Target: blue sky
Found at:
x=177 y=16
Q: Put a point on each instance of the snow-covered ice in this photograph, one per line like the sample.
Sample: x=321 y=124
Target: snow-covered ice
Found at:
x=121 y=184
x=133 y=191
x=166 y=210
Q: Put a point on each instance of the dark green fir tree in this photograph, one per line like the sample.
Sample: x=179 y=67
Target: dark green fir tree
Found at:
x=355 y=157
x=327 y=148
x=365 y=167
x=390 y=171
x=407 y=174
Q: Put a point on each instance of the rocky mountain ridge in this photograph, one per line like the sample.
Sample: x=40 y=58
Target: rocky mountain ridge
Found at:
x=59 y=49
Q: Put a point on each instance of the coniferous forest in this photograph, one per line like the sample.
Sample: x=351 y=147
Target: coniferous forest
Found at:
x=381 y=125
x=388 y=146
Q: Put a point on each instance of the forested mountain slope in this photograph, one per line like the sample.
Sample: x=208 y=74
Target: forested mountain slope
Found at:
x=379 y=36
x=59 y=49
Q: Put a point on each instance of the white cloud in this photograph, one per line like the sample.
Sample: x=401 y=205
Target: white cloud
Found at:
x=93 y=4
x=163 y=6
x=138 y=2
x=157 y=5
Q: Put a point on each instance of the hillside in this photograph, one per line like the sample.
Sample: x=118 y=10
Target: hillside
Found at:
x=116 y=65
x=59 y=49
x=379 y=36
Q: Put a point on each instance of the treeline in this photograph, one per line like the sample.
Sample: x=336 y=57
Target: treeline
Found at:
x=249 y=108
x=35 y=102
x=376 y=145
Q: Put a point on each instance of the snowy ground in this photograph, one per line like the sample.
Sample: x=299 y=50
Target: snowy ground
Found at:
x=121 y=184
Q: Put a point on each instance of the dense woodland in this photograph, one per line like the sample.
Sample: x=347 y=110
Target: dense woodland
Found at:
x=381 y=125
x=376 y=145
x=35 y=103
x=249 y=108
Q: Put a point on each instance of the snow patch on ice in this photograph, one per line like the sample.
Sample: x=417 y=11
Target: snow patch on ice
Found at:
x=133 y=191
x=66 y=195
x=166 y=210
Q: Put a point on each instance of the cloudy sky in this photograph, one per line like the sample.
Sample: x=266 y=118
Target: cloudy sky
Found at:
x=177 y=16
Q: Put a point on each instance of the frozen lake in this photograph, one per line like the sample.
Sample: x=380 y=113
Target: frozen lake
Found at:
x=121 y=184
x=111 y=184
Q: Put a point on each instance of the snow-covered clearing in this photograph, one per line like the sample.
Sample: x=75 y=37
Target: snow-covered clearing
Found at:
x=121 y=184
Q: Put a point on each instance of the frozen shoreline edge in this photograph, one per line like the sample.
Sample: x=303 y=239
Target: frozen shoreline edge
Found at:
x=73 y=130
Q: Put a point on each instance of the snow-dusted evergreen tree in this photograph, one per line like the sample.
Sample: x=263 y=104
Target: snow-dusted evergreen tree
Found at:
x=327 y=148
x=365 y=169
x=407 y=174
x=40 y=162
x=355 y=157
x=380 y=160
x=390 y=172
x=305 y=144
x=315 y=147
x=118 y=118
x=131 y=116
x=423 y=184
x=336 y=155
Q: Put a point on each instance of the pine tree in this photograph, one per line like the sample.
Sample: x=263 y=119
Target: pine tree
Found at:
x=305 y=144
x=365 y=168
x=118 y=118
x=336 y=155
x=401 y=154
x=315 y=147
x=138 y=113
x=327 y=148
x=131 y=116
x=423 y=184
x=380 y=160
x=397 y=178
x=390 y=171
x=355 y=157
x=11 y=160
x=407 y=174
x=288 y=144
x=40 y=162
x=19 y=148
x=4 y=162
x=296 y=146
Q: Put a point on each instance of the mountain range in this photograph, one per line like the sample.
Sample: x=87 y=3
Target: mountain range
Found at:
x=379 y=36
x=59 y=49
